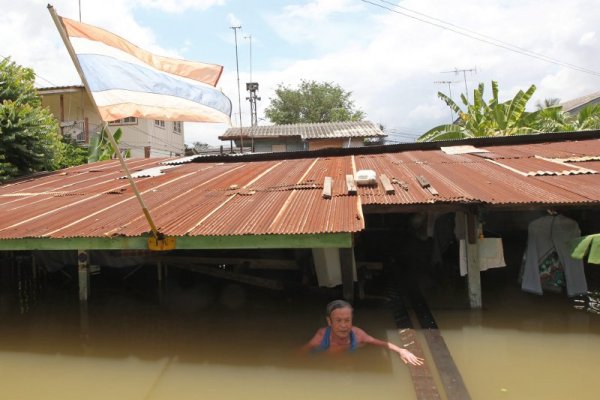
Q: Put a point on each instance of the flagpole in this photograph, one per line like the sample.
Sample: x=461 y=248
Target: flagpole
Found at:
x=63 y=35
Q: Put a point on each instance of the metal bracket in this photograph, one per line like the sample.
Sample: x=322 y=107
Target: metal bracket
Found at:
x=161 y=244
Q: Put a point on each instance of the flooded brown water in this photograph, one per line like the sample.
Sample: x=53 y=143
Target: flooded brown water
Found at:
x=191 y=347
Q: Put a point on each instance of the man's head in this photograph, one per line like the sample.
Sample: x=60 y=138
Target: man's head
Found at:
x=339 y=318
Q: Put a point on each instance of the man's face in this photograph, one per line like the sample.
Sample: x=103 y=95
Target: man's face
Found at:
x=340 y=321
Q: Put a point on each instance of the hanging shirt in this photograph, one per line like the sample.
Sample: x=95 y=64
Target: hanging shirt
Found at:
x=545 y=235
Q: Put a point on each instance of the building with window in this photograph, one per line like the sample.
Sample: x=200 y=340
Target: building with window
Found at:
x=79 y=119
x=303 y=137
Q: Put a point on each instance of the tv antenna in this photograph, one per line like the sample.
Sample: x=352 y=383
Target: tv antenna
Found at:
x=457 y=71
x=449 y=83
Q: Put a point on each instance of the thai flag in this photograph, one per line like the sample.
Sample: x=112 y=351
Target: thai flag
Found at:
x=126 y=81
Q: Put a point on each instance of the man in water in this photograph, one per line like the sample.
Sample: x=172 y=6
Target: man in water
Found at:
x=340 y=335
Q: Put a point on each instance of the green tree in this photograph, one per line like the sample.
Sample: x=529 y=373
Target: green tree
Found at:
x=71 y=154
x=29 y=137
x=312 y=102
x=491 y=118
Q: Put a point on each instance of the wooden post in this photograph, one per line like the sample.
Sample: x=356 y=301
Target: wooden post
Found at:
x=347 y=270
x=83 y=269
x=84 y=275
x=160 y=274
x=473 y=272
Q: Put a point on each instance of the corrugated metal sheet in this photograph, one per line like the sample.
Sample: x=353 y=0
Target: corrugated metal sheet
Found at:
x=324 y=130
x=531 y=166
x=285 y=196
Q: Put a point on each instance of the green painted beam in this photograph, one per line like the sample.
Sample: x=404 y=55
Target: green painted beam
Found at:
x=324 y=240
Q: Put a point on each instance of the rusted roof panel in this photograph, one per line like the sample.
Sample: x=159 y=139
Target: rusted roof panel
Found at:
x=564 y=149
x=537 y=166
x=285 y=196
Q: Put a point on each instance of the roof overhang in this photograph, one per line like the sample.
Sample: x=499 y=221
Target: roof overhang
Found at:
x=307 y=241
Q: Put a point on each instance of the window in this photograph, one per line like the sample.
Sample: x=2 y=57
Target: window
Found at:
x=177 y=126
x=124 y=121
x=159 y=123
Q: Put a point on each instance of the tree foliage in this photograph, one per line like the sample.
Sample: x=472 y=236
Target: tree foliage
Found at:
x=510 y=118
x=491 y=118
x=312 y=102
x=71 y=154
x=29 y=137
x=102 y=149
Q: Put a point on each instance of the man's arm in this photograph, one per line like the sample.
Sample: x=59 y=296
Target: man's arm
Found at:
x=405 y=355
x=315 y=341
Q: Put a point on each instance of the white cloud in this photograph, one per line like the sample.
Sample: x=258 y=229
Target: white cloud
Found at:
x=392 y=66
x=390 y=62
x=233 y=20
x=179 y=6
x=588 y=39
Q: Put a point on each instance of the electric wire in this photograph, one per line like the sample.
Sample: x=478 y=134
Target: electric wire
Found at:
x=482 y=38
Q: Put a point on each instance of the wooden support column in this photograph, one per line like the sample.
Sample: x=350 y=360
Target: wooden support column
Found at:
x=473 y=271
x=347 y=270
x=83 y=269
x=160 y=275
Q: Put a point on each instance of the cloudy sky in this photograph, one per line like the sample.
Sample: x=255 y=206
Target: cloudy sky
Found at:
x=392 y=55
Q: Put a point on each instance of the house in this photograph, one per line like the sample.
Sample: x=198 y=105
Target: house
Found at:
x=301 y=137
x=575 y=105
x=79 y=119
x=234 y=210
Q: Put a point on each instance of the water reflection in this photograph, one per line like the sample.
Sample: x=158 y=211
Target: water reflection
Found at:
x=190 y=346
x=590 y=302
x=192 y=343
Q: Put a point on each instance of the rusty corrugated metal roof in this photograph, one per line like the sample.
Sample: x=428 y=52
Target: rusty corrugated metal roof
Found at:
x=285 y=196
x=323 y=130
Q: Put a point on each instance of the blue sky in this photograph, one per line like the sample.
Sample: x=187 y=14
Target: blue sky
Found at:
x=389 y=54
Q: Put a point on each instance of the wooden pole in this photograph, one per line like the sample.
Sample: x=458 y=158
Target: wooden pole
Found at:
x=63 y=35
x=83 y=269
x=473 y=271
x=346 y=265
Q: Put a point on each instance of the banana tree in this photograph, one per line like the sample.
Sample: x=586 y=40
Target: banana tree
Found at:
x=101 y=149
x=482 y=118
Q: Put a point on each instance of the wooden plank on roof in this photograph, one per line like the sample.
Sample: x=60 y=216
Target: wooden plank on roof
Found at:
x=327 y=185
x=426 y=185
x=351 y=184
x=387 y=185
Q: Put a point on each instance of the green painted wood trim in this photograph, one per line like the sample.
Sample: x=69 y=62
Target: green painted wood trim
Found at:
x=337 y=240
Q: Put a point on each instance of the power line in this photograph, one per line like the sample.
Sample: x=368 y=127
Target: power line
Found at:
x=480 y=37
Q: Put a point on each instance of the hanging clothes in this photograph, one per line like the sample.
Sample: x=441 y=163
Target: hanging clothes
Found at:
x=489 y=251
x=547 y=250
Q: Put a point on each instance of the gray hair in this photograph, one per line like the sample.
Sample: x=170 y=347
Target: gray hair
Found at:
x=334 y=305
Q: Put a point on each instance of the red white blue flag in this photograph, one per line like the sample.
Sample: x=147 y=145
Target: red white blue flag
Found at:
x=127 y=81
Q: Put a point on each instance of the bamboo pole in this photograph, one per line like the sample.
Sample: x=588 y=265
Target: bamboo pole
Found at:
x=63 y=35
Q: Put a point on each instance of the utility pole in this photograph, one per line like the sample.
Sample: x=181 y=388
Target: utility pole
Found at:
x=450 y=93
x=249 y=37
x=252 y=88
x=457 y=71
x=237 y=66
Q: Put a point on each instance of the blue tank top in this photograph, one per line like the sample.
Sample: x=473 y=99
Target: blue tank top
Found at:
x=325 y=343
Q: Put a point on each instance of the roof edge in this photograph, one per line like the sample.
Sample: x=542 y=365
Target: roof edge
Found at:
x=435 y=145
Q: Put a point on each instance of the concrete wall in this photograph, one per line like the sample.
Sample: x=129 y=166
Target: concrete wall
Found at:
x=77 y=107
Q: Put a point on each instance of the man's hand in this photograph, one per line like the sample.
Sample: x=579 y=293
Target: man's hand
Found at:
x=410 y=358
